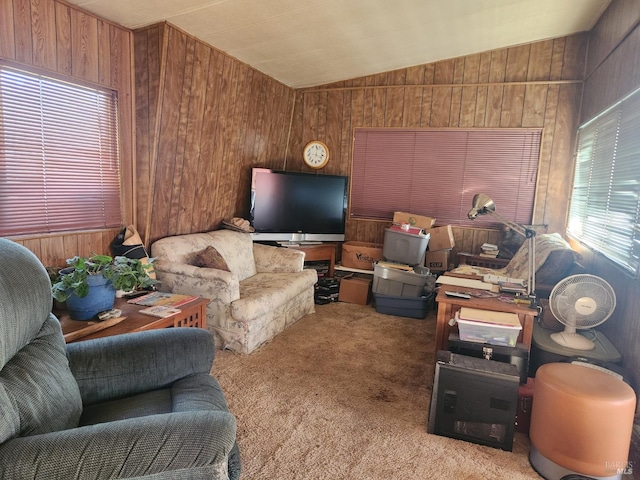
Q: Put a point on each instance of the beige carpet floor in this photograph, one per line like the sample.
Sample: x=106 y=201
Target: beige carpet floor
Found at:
x=344 y=394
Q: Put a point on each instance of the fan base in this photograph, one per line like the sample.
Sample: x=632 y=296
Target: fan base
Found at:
x=552 y=471
x=572 y=340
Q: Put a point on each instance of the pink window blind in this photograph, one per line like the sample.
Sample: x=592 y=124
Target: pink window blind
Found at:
x=59 y=155
x=436 y=172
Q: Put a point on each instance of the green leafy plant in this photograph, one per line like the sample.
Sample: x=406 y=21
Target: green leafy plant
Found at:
x=123 y=272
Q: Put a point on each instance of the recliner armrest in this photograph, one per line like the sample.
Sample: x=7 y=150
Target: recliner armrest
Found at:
x=133 y=363
x=193 y=444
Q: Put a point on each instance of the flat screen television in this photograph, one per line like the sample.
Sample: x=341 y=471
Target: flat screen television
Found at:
x=297 y=207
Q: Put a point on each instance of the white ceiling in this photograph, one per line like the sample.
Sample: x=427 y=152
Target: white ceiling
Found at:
x=311 y=42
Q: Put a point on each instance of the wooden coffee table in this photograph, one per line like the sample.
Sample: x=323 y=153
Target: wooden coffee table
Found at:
x=192 y=314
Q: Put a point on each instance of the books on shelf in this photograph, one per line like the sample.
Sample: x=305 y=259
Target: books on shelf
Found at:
x=512 y=287
x=160 y=311
x=163 y=298
x=489 y=250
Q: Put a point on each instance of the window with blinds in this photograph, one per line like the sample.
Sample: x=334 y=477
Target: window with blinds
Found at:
x=436 y=172
x=604 y=210
x=59 y=155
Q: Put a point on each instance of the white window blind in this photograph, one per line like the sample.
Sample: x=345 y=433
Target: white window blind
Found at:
x=436 y=172
x=59 y=155
x=604 y=211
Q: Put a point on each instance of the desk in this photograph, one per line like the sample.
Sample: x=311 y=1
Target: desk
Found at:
x=323 y=251
x=192 y=314
x=448 y=306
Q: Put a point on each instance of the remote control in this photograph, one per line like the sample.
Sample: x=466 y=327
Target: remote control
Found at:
x=449 y=293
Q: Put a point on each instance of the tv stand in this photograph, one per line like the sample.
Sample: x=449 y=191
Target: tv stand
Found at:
x=318 y=251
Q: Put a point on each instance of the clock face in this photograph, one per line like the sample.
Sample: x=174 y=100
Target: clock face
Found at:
x=316 y=154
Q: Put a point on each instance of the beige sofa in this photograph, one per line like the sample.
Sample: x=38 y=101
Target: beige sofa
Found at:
x=264 y=291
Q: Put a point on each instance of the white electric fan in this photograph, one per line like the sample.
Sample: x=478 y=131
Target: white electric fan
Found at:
x=579 y=302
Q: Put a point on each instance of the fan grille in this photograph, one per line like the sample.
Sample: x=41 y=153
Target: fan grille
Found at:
x=582 y=301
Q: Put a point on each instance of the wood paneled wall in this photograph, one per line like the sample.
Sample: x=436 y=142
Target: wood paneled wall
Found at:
x=204 y=119
x=534 y=85
x=52 y=37
x=614 y=72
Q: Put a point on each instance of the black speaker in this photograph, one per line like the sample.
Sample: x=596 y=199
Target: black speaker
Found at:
x=474 y=399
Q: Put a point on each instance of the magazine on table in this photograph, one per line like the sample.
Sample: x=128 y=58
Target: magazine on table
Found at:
x=160 y=311
x=163 y=298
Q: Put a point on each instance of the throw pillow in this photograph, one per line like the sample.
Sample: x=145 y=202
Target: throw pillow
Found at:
x=210 y=258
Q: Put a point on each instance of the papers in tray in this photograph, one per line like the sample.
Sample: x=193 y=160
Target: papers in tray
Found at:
x=490 y=317
x=490 y=278
x=464 y=282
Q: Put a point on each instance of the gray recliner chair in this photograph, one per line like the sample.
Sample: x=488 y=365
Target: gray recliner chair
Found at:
x=128 y=406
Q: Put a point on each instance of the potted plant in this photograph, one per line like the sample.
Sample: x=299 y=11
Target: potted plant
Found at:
x=88 y=284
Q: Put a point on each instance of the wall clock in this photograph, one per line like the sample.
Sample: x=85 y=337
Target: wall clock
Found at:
x=315 y=154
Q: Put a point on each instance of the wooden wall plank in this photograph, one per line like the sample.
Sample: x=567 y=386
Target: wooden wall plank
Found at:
x=84 y=46
x=43 y=31
x=63 y=39
x=164 y=173
x=517 y=63
x=23 y=40
x=7 y=33
x=613 y=26
x=623 y=64
x=512 y=106
x=539 y=66
x=104 y=52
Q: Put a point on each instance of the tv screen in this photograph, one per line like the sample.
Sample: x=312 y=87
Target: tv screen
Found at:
x=294 y=206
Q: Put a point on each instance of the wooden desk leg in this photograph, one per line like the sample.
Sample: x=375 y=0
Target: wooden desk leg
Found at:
x=332 y=262
x=527 y=329
x=442 y=326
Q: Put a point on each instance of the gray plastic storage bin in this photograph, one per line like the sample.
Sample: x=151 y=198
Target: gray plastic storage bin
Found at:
x=403 y=247
x=391 y=281
x=413 y=307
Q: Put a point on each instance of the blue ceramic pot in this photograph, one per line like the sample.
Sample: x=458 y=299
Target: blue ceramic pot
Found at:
x=100 y=298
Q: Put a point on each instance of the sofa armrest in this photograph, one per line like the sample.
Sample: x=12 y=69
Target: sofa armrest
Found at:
x=188 y=279
x=129 y=364
x=180 y=444
x=271 y=259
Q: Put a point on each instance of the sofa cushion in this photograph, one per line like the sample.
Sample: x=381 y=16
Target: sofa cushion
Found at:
x=210 y=258
x=264 y=292
x=237 y=250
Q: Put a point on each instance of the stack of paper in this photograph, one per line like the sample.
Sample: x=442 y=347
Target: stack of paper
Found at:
x=487 y=316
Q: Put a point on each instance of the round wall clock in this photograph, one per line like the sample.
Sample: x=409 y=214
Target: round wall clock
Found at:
x=315 y=154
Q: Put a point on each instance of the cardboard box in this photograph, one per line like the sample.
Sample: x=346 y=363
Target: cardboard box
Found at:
x=441 y=238
x=414 y=220
x=437 y=261
x=355 y=290
x=361 y=255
